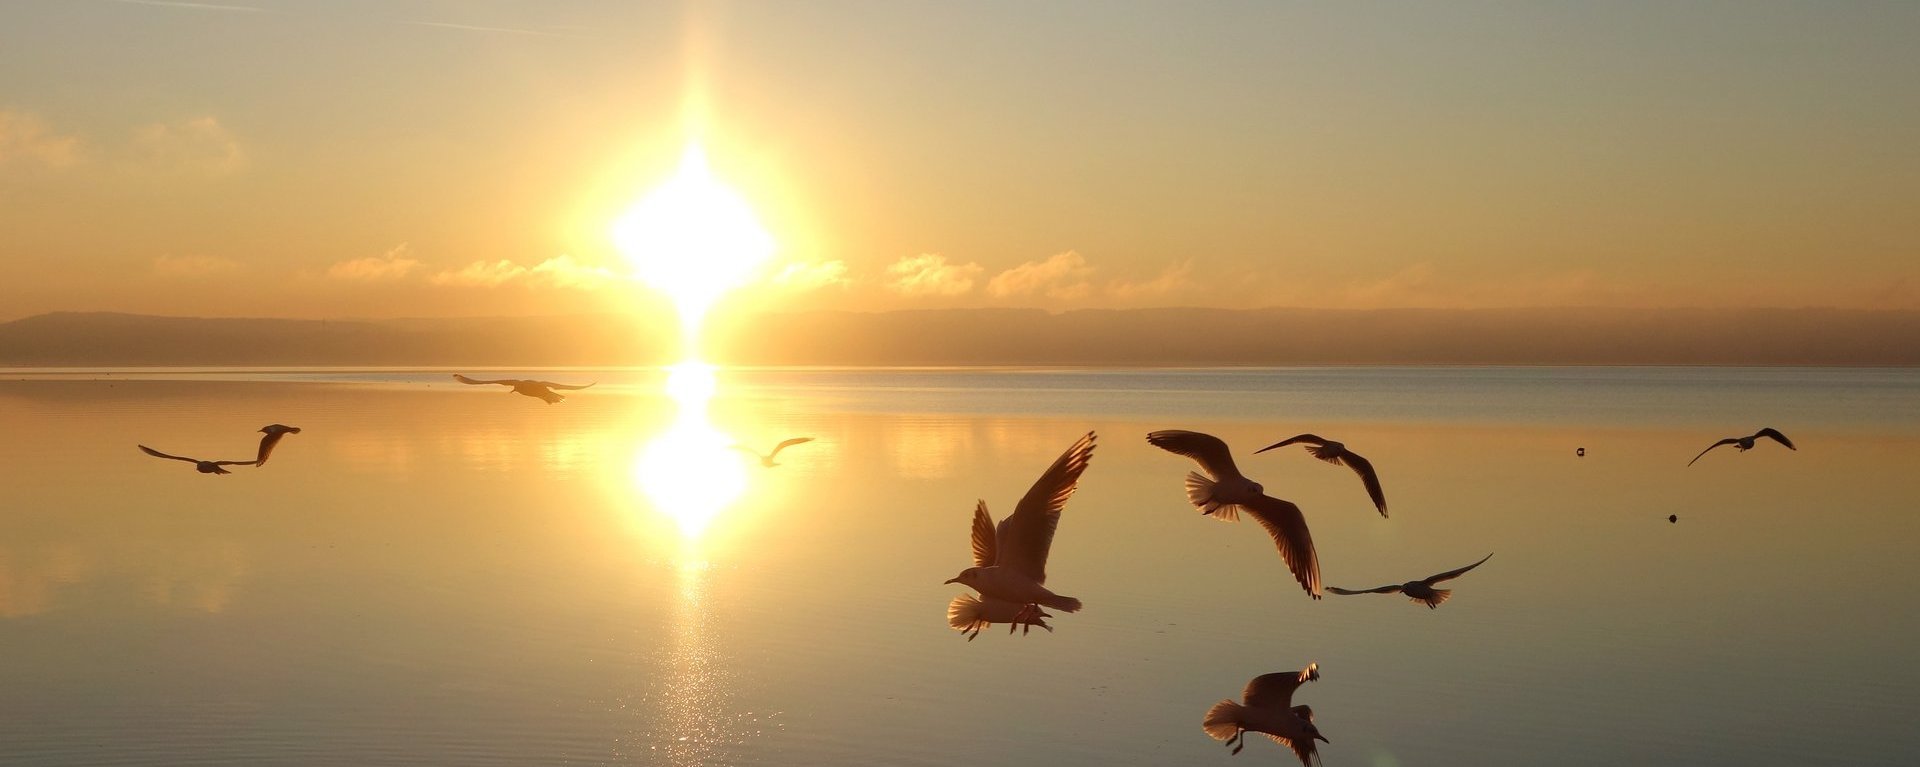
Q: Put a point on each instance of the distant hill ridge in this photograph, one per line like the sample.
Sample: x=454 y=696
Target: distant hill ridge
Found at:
x=1131 y=337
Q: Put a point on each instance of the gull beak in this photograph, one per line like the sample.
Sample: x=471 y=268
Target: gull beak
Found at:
x=1322 y=739
x=952 y=580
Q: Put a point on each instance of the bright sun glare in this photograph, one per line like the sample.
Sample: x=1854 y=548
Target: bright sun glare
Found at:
x=693 y=239
x=688 y=471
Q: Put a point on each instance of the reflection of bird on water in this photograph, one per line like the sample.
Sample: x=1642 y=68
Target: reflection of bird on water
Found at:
x=1229 y=492
x=1010 y=562
x=767 y=460
x=970 y=614
x=535 y=389
x=1421 y=591
x=1746 y=443
x=1267 y=708
x=1337 y=453
x=204 y=467
x=274 y=432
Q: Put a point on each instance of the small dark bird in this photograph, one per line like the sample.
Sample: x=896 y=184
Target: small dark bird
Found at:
x=767 y=460
x=1580 y=451
x=274 y=432
x=1337 y=453
x=1746 y=443
x=1267 y=707
x=1420 y=591
x=1228 y=492
x=542 y=390
x=204 y=467
x=1673 y=518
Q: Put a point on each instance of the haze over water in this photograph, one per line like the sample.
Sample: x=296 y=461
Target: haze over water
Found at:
x=436 y=574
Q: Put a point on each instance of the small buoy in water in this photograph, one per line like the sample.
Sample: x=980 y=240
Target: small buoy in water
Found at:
x=1673 y=518
x=1580 y=451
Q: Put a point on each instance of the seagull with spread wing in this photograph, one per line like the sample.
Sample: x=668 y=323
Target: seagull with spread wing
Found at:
x=767 y=460
x=1267 y=708
x=542 y=390
x=204 y=467
x=1337 y=453
x=1010 y=561
x=1746 y=443
x=1228 y=493
x=274 y=432
x=1420 y=591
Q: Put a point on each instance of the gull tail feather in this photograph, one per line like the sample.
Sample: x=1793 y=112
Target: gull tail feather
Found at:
x=1223 y=720
x=1440 y=597
x=966 y=612
x=1200 y=494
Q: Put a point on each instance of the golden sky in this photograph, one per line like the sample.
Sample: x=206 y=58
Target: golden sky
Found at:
x=367 y=158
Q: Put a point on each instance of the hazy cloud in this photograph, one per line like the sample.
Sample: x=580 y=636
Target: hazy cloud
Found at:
x=1175 y=278
x=808 y=276
x=929 y=274
x=1064 y=275
x=478 y=28
x=392 y=265
x=560 y=271
x=198 y=144
x=193 y=266
x=25 y=138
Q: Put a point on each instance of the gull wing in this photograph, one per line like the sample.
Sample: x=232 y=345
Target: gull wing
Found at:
x=1025 y=536
x=1288 y=527
x=266 y=446
x=1364 y=468
x=1304 y=750
x=158 y=454
x=1452 y=574
x=1776 y=436
x=1394 y=589
x=788 y=443
x=1208 y=450
x=552 y=385
x=1727 y=441
x=235 y=463
x=476 y=382
x=1310 y=439
x=983 y=535
x=1276 y=690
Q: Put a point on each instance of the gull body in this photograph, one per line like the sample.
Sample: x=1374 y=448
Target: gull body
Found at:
x=1746 y=443
x=540 y=390
x=767 y=460
x=1267 y=708
x=1337 y=453
x=1228 y=493
x=1010 y=560
x=969 y=614
x=273 y=432
x=204 y=467
x=1420 y=591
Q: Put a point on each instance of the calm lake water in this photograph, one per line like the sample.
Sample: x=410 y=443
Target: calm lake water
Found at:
x=436 y=574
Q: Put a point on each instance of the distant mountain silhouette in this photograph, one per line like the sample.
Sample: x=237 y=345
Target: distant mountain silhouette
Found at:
x=1144 y=337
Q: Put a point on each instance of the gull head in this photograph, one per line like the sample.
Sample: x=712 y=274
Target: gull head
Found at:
x=967 y=577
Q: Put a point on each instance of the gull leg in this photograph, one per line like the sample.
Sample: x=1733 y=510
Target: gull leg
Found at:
x=1239 y=741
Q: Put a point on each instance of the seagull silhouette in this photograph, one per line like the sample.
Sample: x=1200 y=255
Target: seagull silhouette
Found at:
x=1229 y=492
x=1337 y=453
x=1267 y=708
x=536 y=389
x=274 y=432
x=1010 y=561
x=767 y=460
x=969 y=614
x=1420 y=591
x=204 y=467
x=1746 y=443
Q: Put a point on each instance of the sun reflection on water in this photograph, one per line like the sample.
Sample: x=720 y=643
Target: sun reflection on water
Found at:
x=688 y=471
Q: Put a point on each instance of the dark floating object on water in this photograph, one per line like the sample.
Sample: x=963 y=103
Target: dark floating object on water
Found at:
x=1420 y=591
x=1746 y=443
x=1673 y=518
x=542 y=390
x=1580 y=451
x=204 y=467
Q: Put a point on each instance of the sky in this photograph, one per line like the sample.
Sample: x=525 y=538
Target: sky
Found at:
x=411 y=158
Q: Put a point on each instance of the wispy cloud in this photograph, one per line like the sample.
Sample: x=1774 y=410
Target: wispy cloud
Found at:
x=392 y=265
x=193 y=266
x=25 y=138
x=808 y=276
x=1174 y=278
x=197 y=6
x=560 y=271
x=1063 y=276
x=199 y=144
x=929 y=274
x=479 y=28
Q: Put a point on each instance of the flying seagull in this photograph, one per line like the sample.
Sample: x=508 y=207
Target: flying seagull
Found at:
x=1267 y=708
x=1746 y=443
x=1420 y=591
x=1010 y=561
x=767 y=460
x=1229 y=492
x=204 y=467
x=274 y=432
x=1337 y=452
x=536 y=389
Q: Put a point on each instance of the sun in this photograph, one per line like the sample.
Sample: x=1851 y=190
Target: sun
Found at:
x=693 y=239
